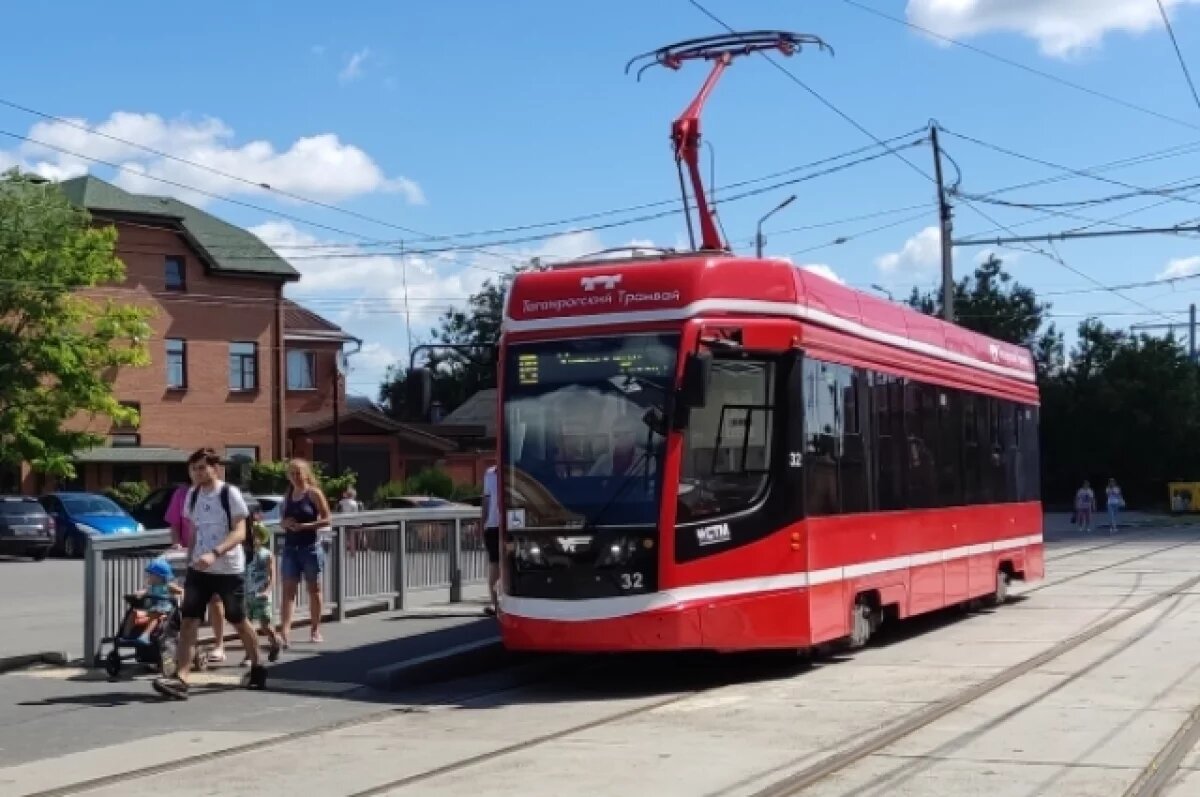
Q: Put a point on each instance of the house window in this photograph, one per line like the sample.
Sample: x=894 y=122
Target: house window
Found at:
x=301 y=370
x=175 y=275
x=238 y=460
x=243 y=366
x=176 y=364
x=125 y=440
x=136 y=406
x=123 y=474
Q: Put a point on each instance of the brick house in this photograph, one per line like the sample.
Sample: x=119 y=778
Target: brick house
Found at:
x=234 y=364
x=215 y=378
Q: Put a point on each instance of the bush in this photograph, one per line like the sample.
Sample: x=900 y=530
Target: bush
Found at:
x=270 y=478
x=128 y=494
x=430 y=481
x=386 y=491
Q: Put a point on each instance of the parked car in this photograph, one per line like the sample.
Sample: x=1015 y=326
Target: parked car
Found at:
x=26 y=529
x=79 y=515
x=434 y=535
x=152 y=511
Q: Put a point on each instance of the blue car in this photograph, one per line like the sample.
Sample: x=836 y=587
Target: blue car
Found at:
x=78 y=515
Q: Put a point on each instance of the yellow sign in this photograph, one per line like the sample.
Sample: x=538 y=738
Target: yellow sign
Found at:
x=1184 y=496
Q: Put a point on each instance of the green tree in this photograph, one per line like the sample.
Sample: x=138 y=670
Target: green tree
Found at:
x=457 y=375
x=991 y=302
x=58 y=348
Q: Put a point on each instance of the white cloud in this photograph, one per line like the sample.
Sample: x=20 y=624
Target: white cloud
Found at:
x=373 y=361
x=1061 y=28
x=1180 y=267
x=920 y=253
x=319 y=166
x=353 y=69
x=823 y=270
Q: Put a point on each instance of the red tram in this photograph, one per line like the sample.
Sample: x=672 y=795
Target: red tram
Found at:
x=707 y=451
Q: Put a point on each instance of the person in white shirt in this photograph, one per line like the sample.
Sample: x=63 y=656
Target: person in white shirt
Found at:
x=216 y=567
x=491 y=532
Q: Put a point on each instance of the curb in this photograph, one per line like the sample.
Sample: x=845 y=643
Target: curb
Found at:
x=467 y=659
x=24 y=660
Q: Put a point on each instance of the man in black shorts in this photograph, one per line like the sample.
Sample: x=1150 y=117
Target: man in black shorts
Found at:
x=216 y=568
x=491 y=533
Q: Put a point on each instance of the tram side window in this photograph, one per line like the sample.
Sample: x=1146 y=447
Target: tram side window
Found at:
x=727 y=449
x=995 y=489
x=952 y=406
x=921 y=430
x=822 y=437
x=852 y=465
x=887 y=401
x=1029 y=469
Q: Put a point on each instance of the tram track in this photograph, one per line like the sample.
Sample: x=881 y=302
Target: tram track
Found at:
x=784 y=788
x=814 y=774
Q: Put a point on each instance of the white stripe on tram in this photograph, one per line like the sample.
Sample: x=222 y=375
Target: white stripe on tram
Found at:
x=610 y=608
x=763 y=307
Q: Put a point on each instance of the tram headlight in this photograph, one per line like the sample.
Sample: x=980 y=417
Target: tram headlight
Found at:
x=618 y=550
x=529 y=552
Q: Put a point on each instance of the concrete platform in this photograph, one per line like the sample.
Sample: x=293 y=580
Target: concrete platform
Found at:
x=1087 y=721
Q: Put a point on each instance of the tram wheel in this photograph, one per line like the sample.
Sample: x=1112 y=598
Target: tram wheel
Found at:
x=1001 y=594
x=861 y=625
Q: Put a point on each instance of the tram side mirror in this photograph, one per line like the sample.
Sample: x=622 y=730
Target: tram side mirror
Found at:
x=697 y=373
x=418 y=394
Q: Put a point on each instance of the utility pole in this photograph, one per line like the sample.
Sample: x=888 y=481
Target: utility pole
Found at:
x=946 y=227
x=1192 y=332
x=337 y=416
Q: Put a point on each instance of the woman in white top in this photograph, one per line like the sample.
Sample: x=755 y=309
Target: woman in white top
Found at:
x=1115 y=503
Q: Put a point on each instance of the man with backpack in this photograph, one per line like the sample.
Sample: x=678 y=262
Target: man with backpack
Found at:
x=216 y=568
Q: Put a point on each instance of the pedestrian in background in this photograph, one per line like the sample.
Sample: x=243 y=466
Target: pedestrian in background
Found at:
x=1114 y=502
x=305 y=512
x=491 y=533
x=1085 y=502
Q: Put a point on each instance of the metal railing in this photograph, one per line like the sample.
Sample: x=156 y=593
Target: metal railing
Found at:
x=375 y=561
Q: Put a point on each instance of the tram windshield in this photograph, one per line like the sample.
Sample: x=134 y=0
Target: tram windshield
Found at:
x=583 y=430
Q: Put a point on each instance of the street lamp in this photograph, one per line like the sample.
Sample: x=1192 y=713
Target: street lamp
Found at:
x=882 y=289
x=759 y=236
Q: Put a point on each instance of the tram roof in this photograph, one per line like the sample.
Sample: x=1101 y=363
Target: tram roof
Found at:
x=583 y=294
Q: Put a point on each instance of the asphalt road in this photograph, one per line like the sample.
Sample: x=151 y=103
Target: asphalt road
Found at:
x=41 y=606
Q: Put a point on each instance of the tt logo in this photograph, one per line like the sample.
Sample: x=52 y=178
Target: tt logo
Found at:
x=994 y=350
x=570 y=544
x=606 y=281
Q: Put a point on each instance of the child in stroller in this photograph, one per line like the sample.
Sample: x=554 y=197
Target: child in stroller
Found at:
x=151 y=623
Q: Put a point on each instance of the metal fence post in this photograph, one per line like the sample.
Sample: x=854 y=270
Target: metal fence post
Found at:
x=93 y=603
x=339 y=568
x=456 y=562
x=400 y=568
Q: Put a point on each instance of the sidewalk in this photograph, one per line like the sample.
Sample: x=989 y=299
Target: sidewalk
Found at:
x=1059 y=523
x=311 y=685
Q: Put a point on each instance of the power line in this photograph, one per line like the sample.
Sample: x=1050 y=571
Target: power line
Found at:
x=424 y=236
x=1023 y=67
x=1178 y=53
x=813 y=92
x=1060 y=167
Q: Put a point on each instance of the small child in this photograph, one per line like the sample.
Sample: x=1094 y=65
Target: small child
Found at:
x=260 y=577
x=157 y=600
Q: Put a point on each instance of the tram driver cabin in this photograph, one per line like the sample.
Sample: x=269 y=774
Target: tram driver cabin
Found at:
x=701 y=451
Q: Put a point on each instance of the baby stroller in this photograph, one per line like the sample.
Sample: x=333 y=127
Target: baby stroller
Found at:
x=157 y=649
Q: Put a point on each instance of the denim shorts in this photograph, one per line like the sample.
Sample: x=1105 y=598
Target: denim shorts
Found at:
x=308 y=561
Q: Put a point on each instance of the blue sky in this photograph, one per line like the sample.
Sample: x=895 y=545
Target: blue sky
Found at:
x=469 y=115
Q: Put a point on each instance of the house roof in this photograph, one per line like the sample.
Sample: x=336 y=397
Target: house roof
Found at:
x=478 y=410
x=133 y=455
x=309 y=422
x=301 y=323
x=226 y=247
